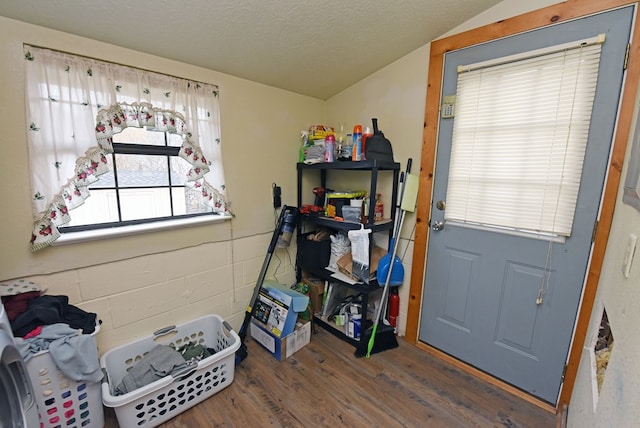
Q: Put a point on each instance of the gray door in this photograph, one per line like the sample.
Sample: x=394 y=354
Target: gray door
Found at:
x=481 y=285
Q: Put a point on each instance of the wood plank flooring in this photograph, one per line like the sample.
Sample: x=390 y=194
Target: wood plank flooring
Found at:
x=324 y=385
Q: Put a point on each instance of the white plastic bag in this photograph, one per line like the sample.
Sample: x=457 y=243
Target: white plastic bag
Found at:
x=360 y=253
x=340 y=245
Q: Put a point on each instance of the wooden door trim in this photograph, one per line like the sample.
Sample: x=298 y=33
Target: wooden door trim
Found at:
x=551 y=15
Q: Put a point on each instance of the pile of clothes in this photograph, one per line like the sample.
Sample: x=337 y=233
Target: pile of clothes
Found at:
x=49 y=323
x=161 y=361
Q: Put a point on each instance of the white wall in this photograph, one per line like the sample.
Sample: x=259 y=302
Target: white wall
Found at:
x=140 y=283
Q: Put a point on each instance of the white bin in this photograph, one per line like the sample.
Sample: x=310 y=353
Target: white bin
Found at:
x=64 y=402
x=157 y=402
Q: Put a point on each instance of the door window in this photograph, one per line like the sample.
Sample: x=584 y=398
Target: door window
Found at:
x=519 y=138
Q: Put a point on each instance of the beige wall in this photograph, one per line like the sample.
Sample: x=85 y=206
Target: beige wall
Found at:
x=140 y=283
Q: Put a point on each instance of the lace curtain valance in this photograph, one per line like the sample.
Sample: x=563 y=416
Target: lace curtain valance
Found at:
x=76 y=104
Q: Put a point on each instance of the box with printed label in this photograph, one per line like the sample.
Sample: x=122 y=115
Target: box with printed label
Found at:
x=282 y=347
x=276 y=308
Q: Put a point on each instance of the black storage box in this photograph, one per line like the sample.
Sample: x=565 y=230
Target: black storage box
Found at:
x=313 y=256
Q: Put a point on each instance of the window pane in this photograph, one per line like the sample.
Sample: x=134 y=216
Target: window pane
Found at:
x=179 y=169
x=174 y=140
x=187 y=201
x=106 y=179
x=133 y=135
x=142 y=170
x=101 y=207
x=138 y=204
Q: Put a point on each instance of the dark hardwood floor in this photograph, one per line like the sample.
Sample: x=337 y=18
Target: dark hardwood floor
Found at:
x=324 y=385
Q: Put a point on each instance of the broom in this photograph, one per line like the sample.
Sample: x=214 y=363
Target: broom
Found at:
x=387 y=338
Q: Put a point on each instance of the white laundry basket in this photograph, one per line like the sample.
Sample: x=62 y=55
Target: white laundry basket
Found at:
x=155 y=403
x=64 y=402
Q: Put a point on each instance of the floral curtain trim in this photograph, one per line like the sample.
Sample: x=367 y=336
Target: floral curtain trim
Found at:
x=110 y=121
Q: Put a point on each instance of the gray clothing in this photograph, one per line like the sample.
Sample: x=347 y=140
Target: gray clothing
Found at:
x=159 y=362
x=75 y=354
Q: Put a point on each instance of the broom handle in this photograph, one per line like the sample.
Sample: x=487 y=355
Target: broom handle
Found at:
x=398 y=204
x=385 y=292
x=403 y=182
x=398 y=228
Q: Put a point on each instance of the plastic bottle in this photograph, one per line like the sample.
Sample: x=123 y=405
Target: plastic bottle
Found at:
x=304 y=136
x=357 y=143
x=365 y=134
x=347 y=147
x=365 y=209
x=394 y=308
x=329 y=148
x=340 y=140
x=378 y=210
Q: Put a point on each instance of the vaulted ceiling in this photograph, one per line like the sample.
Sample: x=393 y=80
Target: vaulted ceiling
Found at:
x=311 y=47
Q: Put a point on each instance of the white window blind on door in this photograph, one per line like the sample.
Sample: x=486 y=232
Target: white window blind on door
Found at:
x=519 y=138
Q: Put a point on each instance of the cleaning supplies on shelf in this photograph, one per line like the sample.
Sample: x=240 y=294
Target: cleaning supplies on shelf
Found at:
x=329 y=148
x=378 y=210
x=304 y=136
x=357 y=143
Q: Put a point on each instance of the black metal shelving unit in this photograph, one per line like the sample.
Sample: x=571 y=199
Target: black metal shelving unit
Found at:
x=374 y=167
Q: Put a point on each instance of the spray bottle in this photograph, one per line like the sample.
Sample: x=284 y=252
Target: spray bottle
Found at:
x=304 y=136
x=357 y=143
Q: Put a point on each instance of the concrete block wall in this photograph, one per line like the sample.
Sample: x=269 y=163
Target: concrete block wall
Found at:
x=135 y=297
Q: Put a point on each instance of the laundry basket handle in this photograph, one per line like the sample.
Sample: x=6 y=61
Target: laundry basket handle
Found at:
x=227 y=325
x=164 y=330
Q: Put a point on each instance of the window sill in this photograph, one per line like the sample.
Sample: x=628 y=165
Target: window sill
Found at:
x=94 y=235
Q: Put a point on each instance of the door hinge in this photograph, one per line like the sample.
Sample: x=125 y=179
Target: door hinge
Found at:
x=564 y=372
x=595 y=230
x=626 y=56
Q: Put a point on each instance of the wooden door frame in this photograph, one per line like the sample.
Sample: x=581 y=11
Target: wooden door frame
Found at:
x=551 y=15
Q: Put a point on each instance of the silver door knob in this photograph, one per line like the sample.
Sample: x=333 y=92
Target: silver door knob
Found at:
x=438 y=225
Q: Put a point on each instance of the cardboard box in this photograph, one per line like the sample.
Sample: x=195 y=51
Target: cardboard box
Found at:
x=345 y=263
x=282 y=347
x=277 y=308
x=316 y=291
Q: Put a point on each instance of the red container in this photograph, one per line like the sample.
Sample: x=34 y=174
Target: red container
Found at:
x=394 y=309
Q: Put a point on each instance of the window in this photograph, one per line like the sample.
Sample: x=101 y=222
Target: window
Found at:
x=145 y=182
x=111 y=146
x=519 y=139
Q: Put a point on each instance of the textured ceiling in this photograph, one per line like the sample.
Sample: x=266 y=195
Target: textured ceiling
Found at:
x=311 y=47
